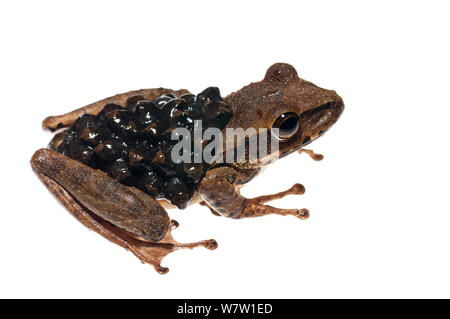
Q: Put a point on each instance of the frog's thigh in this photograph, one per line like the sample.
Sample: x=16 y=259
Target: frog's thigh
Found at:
x=123 y=206
x=50 y=165
x=55 y=122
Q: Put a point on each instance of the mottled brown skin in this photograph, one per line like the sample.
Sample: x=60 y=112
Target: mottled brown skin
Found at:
x=128 y=207
x=258 y=105
x=136 y=221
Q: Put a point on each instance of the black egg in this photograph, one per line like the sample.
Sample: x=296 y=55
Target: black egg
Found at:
x=79 y=151
x=151 y=183
x=166 y=170
x=178 y=192
x=132 y=180
x=110 y=151
x=57 y=141
x=135 y=157
x=194 y=171
x=108 y=108
x=146 y=112
x=217 y=114
x=85 y=121
x=130 y=131
x=182 y=117
x=119 y=170
x=167 y=96
x=176 y=104
x=207 y=96
x=163 y=99
x=152 y=131
x=132 y=101
x=118 y=119
x=188 y=98
x=95 y=135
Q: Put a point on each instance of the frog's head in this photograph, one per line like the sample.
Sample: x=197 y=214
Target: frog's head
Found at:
x=300 y=110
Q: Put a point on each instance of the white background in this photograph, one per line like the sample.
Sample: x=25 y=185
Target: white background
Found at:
x=380 y=216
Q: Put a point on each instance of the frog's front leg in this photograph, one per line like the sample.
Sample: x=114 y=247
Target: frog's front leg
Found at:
x=124 y=215
x=220 y=190
x=314 y=156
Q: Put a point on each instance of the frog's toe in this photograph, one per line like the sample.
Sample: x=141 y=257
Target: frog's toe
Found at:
x=302 y=213
x=210 y=244
x=160 y=269
x=297 y=189
x=174 y=224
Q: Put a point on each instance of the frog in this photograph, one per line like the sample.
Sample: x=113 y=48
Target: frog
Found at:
x=111 y=199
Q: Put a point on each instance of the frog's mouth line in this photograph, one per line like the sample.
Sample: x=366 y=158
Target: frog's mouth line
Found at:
x=316 y=122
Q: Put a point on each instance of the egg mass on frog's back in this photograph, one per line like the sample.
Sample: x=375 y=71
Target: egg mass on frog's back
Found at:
x=132 y=143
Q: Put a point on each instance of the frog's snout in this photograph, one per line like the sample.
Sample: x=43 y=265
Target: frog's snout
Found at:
x=339 y=102
x=334 y=102
x=337 y=106
x=318 y=120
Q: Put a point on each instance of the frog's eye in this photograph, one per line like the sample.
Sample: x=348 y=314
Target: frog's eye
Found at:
x=287 y=124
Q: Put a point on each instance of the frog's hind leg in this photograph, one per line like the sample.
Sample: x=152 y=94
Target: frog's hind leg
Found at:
x=53 y=123
x=49 y=165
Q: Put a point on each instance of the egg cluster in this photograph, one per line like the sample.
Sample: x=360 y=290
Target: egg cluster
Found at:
x=133 y=144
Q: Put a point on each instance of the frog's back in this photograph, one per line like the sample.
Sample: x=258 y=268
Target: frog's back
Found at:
x=132 y=143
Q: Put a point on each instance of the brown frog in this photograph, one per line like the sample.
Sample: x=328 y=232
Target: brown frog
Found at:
x=118 y=195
